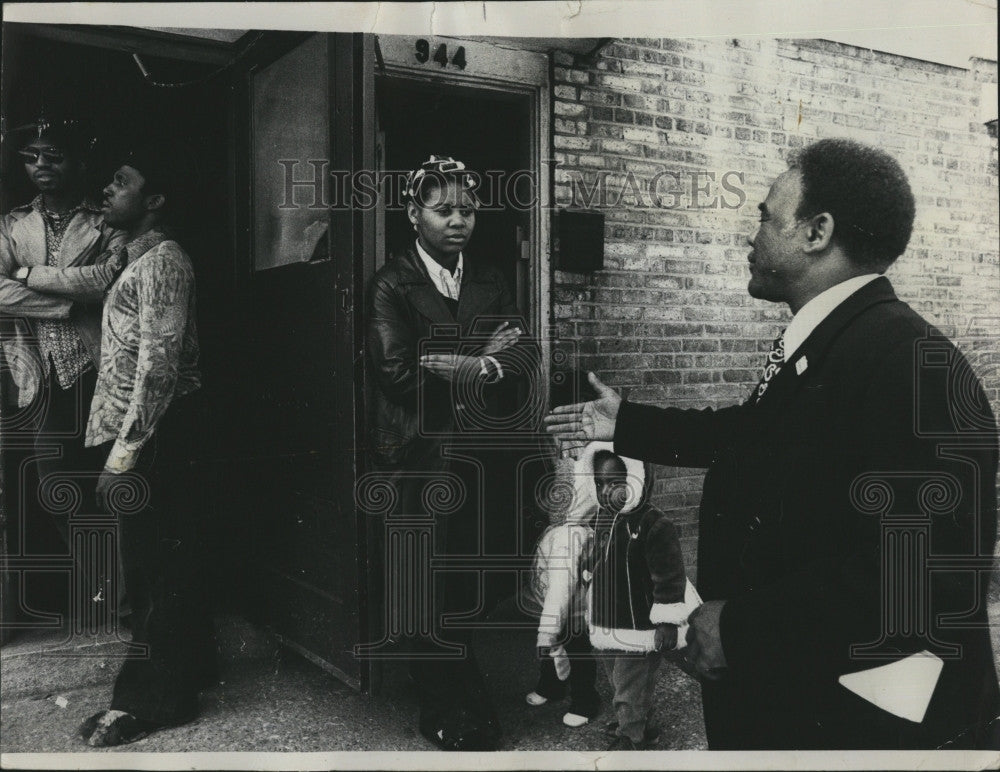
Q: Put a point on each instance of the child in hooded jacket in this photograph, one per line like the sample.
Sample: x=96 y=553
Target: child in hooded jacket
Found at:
x=639 y=597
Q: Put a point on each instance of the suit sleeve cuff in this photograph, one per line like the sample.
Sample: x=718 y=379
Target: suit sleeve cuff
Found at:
x=640 y=428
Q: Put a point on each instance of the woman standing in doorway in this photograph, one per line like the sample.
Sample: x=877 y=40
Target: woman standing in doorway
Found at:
x=443 y=336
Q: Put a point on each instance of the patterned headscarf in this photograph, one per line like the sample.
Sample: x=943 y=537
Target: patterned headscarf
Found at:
x=439 y=167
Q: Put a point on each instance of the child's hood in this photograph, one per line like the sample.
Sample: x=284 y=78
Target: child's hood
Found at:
x=583 y=505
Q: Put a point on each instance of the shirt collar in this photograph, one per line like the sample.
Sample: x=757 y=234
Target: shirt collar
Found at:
x=38 y=204
x=142 y=244
x=816 y=310
x=434 y=268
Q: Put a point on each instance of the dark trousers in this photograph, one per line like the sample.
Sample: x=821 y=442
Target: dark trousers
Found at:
x=445 y=680
x=60 y=491
x=582 y=677
x=60 y=453
x=172 y=655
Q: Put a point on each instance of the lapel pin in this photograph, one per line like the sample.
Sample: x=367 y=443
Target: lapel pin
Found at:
x=800 y=365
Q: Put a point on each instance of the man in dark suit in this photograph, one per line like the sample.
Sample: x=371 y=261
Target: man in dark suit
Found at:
x=443 y=336
x=849 y=512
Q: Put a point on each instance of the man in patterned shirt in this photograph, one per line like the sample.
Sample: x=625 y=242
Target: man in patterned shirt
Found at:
x=51 y=336
x=138 y=420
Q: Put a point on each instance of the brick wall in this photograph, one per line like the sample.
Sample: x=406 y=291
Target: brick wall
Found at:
x=669 y=320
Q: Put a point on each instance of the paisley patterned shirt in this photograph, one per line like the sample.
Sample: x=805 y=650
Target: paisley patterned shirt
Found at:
x=58 y=340
x=149 y=347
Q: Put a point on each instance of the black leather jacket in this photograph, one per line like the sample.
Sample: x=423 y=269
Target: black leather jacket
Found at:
x=408 y=317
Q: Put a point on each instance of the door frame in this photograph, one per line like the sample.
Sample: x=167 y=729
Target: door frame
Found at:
x=352 y=146
x=492 y=68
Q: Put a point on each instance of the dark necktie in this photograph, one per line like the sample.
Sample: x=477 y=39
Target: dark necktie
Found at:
x=775 y=359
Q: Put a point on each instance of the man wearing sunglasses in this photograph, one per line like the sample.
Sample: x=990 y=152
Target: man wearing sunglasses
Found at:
x=51 y=338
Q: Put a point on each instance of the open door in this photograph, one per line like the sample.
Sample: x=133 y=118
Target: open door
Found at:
x=304 y=349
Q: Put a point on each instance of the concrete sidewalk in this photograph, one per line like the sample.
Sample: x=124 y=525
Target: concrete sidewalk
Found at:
x=269 y=699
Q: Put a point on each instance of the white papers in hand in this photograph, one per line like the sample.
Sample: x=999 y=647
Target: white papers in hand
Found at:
x=903 y=688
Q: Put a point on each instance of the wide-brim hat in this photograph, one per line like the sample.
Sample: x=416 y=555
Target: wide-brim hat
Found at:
x=68 y=133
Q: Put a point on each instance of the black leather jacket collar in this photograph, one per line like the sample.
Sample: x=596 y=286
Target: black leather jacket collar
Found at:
x=477 y=289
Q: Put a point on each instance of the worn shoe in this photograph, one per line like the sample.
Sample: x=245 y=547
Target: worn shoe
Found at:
x=535 y=699
x=650 y=736
x=624 y=743
x=114 y=727
x=459 y=730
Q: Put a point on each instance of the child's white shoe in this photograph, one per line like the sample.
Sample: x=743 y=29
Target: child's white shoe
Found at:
x=535 y=699
x=574 y=720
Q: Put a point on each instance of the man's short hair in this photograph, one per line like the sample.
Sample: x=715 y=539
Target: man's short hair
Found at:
x=163 y=169
x=867 y=193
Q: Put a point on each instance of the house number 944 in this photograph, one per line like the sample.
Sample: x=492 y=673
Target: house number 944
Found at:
x=422 y=51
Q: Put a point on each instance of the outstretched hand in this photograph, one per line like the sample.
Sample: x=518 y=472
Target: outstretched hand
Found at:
x=573 y=426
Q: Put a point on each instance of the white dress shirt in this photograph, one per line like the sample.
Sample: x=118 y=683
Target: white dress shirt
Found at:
x=447 y=283
x=450 y=285
x=820 y=307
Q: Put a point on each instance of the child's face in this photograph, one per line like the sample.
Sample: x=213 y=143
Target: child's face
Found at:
x=611 y=478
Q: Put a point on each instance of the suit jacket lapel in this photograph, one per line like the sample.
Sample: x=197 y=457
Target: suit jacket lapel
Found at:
x=29 y=236
x=80 y=236
x=814 y=348
x=428 y=301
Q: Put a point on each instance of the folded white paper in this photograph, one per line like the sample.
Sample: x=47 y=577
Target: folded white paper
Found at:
x=903 y=688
